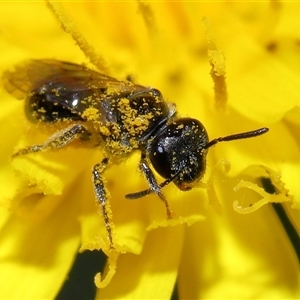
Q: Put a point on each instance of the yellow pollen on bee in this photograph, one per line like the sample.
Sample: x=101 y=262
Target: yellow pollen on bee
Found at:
x=91 y=114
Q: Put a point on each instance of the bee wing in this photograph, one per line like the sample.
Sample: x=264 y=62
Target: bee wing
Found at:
x=34 y=74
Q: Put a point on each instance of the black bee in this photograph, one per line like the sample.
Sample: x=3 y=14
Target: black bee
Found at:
x=119 y=117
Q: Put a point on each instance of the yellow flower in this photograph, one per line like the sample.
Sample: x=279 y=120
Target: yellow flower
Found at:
x=214 y=247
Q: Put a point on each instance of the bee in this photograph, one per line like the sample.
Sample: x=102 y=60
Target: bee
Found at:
x=117 y=116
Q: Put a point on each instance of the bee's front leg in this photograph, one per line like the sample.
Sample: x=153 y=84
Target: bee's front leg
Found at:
x=153 y=184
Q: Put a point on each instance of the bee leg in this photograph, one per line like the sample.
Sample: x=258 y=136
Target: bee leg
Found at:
x=153 y=184
x=58 y=140
x=101 y=196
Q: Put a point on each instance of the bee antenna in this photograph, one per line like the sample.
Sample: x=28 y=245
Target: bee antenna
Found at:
x=238 y=136
x=144 y=193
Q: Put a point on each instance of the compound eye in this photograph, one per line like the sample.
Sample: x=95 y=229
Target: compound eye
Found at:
x=177 y=151
x=159 y=157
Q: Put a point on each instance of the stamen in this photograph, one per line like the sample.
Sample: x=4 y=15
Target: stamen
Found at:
x=148 y=16
x=217 y=62
x=70 y=28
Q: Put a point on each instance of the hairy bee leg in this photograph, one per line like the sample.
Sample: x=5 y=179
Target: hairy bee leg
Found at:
x=101 y=196
x=153 y=184
x=58 y=140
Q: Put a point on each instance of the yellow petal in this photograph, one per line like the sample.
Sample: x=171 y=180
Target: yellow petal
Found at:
x=238 y=256
x=168 y=52
x=153 y=273
x=26 y=272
